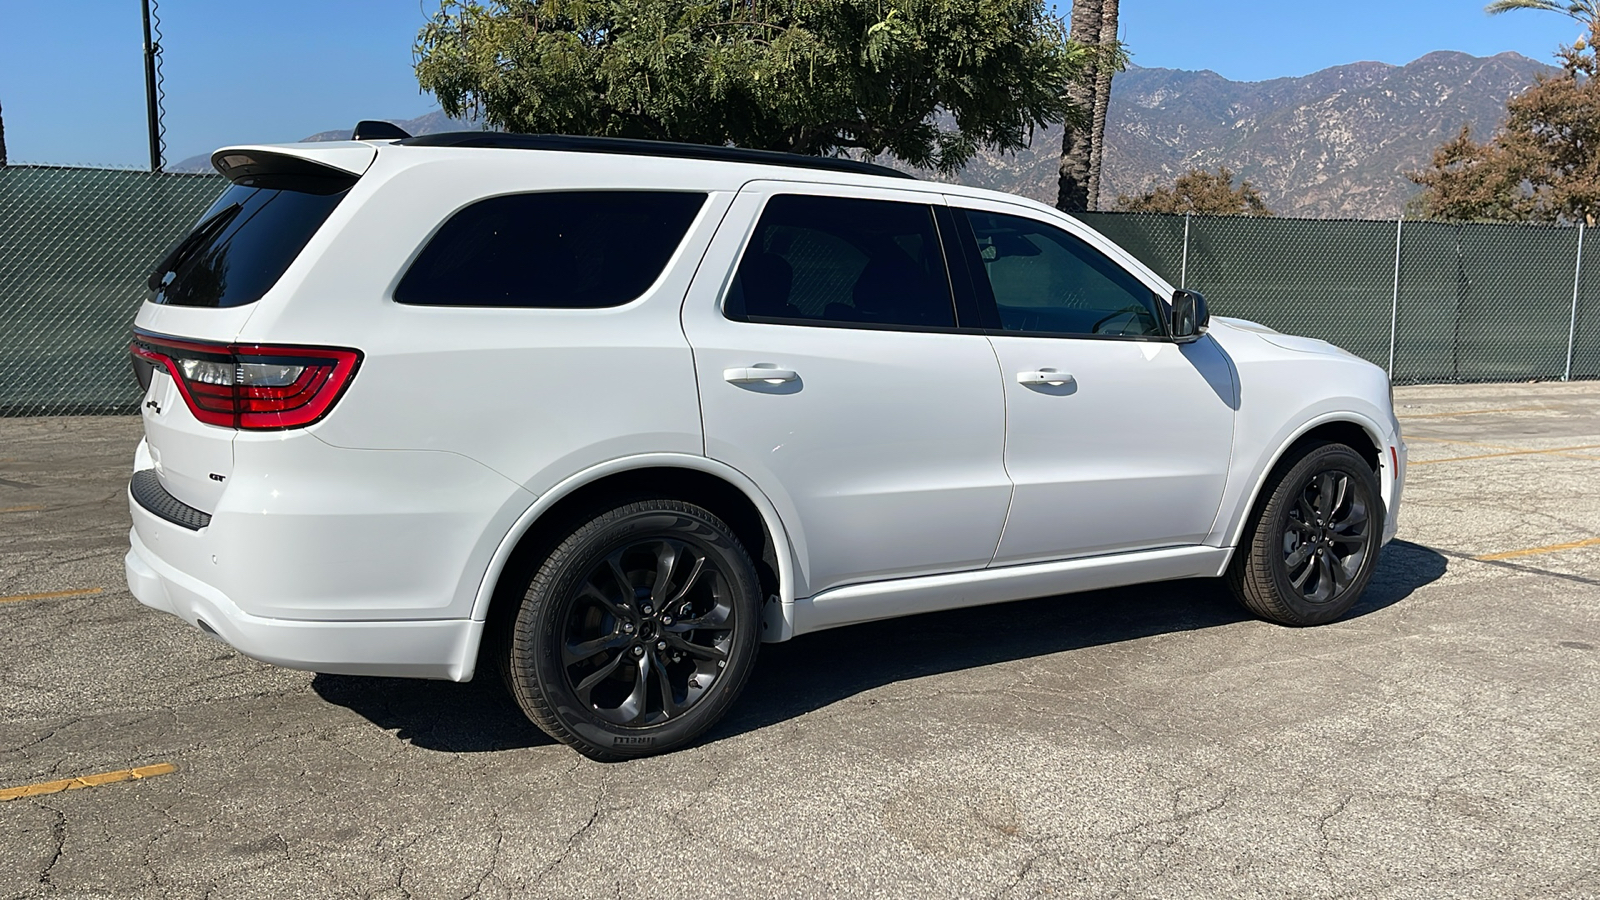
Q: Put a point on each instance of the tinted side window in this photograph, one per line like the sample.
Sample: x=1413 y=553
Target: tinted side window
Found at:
x=1047 y=281
x=563 y=250
x=841 y=260
x=242 y=245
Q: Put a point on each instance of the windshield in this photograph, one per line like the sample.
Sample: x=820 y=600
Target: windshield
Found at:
x=242 y=245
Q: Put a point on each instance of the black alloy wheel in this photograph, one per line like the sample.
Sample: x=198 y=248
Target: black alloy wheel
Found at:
x=637 y=632
x=648 y=632
x=1312 y=543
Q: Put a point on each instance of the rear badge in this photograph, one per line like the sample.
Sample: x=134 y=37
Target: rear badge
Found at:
x=216 y=477
x=151 y=404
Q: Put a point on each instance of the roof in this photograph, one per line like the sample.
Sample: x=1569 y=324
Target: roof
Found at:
x=630 y=147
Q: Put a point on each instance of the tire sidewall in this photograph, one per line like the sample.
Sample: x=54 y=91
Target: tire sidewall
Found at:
x=540 y=625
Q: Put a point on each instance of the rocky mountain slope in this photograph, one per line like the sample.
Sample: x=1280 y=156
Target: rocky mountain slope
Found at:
x=1335 y=143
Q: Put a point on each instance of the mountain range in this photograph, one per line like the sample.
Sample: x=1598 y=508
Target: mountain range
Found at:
x=1333 y=144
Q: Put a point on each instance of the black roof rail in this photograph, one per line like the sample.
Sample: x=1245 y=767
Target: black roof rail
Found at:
x=632 y=147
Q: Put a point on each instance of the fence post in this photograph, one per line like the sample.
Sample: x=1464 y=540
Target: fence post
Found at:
x=1183 y=275
x=1394 y=302
x=1572 y=323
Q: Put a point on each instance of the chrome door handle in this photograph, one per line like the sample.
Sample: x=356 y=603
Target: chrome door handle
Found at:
x=759 y=374
x=1045 y=376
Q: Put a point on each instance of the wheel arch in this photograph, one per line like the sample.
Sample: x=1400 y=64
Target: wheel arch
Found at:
x=716 y=486
x=1352 y=429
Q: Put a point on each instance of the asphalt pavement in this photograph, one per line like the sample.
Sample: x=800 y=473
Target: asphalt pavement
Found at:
x=1441 y=741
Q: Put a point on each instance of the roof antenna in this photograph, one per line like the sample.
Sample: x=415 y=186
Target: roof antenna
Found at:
x=375 y=130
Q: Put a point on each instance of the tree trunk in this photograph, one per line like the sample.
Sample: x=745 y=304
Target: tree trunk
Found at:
x=1102 y=102
x=1072 y=190
x=2 y=137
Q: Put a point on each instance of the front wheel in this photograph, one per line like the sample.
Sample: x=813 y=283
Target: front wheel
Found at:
x=1310 y=549
x=638 y=632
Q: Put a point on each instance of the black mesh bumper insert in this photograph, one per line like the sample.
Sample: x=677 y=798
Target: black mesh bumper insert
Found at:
x=149 y=493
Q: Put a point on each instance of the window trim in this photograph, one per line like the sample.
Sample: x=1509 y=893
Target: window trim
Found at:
x=990 y=307
x=444 y=220
x=931 y=206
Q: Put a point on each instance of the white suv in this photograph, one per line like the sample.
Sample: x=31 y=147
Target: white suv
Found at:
x=607 y=414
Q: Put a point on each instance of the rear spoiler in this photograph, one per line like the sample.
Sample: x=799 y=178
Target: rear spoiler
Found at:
x=326 y=168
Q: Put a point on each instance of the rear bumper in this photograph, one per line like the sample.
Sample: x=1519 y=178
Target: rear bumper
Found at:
x=442 y=648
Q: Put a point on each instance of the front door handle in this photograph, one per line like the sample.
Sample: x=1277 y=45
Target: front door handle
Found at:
x=1045 y=376
x=759 y=374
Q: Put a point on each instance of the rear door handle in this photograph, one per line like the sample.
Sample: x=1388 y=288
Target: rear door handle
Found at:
x=758 y=374
x=1045 y=376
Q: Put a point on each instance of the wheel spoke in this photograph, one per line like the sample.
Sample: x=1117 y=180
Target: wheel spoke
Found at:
x=669 y=703
x=693 y=649
x=666 y=561
x=1341 y=578
x=576 y=652
x=614 y=564
x=598 y=596
x=716 y=619
x=585 y=687
x=1343 y=482
x=1325 y=582
x=695 y=570
x=633 y=708
x=1300 y=555
x=1348 y=539
x=1299 y=581
x=1324 y=486
x=1307 y=514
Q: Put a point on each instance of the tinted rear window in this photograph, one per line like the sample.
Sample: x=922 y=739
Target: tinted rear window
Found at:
x=242 y=245
x=563 y=250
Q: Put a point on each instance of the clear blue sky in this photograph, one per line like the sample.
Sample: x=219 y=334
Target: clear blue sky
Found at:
x=72 y=88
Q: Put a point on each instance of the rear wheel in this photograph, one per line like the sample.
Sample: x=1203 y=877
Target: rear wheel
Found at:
x=637 y=632
x=1310 y=549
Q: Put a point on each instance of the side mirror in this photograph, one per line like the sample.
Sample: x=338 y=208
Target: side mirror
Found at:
x=1190 y=317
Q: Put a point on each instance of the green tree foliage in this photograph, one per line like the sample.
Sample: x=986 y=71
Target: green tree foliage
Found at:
x=804 y=76
x=1202 y=193
x=1544 y=163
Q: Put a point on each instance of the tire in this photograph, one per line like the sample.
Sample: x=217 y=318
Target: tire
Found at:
x=1313 y=542
x=604 y=661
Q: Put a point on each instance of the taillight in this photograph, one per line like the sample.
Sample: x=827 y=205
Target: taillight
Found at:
x=251 y=386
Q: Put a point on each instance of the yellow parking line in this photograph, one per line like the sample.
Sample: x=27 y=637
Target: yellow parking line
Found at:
x=1429 y=462
x=21 y=509
x=20 y=597
x=1472 y=412
x=1535 y=551
x=72 y=784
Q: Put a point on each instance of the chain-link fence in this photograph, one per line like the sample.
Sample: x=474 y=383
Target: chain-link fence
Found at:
x=1429 y=301
x=75 y=246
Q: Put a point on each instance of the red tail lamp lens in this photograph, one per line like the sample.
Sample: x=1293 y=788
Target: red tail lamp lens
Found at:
x=252 y=386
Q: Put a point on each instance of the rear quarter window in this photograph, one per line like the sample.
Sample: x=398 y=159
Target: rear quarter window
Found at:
x=553 y=250
x=242 y=245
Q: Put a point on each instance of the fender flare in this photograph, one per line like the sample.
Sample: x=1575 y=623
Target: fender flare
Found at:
x=1233 y=531
x=778 y=619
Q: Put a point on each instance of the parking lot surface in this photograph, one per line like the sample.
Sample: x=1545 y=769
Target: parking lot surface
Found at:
x=1441 y=741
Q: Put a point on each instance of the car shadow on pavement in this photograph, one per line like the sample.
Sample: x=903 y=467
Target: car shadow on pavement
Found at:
x=816 y=670
x=476 y=717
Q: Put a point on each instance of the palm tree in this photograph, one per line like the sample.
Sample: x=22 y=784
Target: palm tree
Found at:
x=1102 y=99
x=1585 y=11
x=1072 y=191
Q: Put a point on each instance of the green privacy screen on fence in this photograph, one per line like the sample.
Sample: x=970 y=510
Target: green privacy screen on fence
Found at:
x=1460 y=301
x=1474 y=302
x=75 y=246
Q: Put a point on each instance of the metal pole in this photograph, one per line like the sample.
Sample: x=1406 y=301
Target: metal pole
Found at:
x=1183 y=276
x=150 y=92
x=1572 y=323
x=1394 y=303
